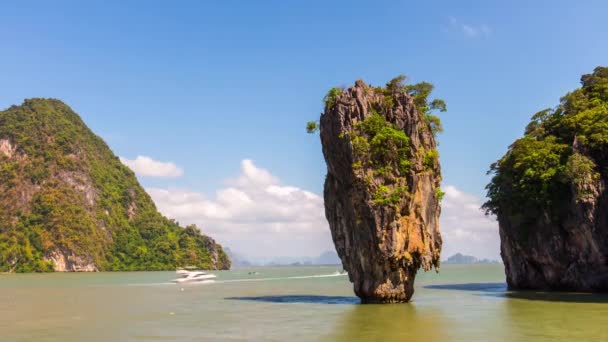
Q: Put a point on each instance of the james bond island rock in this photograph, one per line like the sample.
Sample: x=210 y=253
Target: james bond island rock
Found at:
x=67 y=203
x=549 y=195
x=382 y=194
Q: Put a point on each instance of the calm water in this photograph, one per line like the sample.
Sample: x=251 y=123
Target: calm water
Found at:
x=462 y=303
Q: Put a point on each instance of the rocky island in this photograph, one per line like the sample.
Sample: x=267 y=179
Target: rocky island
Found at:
x=382 y=190
x=549 y=195
x=67 y=203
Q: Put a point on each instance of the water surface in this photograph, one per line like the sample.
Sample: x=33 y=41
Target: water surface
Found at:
x=462 y=303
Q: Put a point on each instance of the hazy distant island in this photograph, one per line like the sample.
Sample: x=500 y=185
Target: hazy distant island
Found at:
x=549 y=194
x=67 y=203
x=325 y=258
x=459 y=258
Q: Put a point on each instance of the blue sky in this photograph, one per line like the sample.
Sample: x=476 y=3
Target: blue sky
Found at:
x=206 y=85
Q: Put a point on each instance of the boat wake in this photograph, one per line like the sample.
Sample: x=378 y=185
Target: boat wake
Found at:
x=336 y=274
x=213 y=281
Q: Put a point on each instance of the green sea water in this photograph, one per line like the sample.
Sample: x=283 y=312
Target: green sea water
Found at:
x=461 y=303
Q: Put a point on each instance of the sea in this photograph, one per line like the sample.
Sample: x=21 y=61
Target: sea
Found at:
x=316 y=303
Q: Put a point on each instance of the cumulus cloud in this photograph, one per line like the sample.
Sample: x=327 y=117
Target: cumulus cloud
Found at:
x=148 y=167
x=469 y=30
x=465 y=228
x=254 y=214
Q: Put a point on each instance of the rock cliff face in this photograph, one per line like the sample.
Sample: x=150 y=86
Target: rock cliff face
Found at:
x=382 y=188
x=549 y=195
x=67 y=203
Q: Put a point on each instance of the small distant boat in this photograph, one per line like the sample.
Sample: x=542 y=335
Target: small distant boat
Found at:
x=194 y=276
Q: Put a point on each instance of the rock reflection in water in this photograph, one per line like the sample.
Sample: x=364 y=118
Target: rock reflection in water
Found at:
x=399 y=322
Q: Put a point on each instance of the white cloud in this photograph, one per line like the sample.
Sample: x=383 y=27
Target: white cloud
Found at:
x=257 y=216
x=469 y=30
x=254 y=215
x=148 y=167
x=465 y=228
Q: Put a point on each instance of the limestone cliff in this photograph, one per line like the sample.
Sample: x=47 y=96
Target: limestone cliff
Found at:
x=67 y=203
x=382 y=195
x=549 y=195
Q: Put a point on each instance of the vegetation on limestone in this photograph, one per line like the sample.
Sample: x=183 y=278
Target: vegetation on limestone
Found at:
x=384 y=149
x=430 y=159
x=332 y=94
x=563 y=147
x=380 y=145
x=439 y=194
x=420 y=92
x=381 y=151
x=66 y=191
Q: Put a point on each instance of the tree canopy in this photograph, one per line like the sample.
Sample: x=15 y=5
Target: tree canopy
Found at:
x=561 y=147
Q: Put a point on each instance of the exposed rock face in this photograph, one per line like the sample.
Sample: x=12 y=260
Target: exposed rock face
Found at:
x=383 y=218
x=68 y=262
x=564 y=252
x=549 y=195
x=7 y=148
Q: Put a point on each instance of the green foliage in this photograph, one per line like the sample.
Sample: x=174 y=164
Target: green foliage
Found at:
x=439 y=105
x=420 y=93
x=580 y=168
x=361 y=145
x=439 y=194
x=581 y=171
x=312 y=127
x=381 y=145
x=431 y=158
x=112 y=222
x=531 y=169
x=385 y=149
x=389 y=142
x=381 y=194
x=331 y=96
x=387 y=196
x=389 y=102
x=382 y=156
x=397 y=84
x=435 y=123
x=538 y=171
x=384 y=171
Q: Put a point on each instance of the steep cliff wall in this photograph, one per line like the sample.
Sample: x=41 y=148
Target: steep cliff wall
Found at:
x=382 y=187
x=549 y=195
x=67 y=203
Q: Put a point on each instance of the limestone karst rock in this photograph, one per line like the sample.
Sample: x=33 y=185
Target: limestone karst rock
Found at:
x=549 y=195
x=382 y=195
x=67 y=203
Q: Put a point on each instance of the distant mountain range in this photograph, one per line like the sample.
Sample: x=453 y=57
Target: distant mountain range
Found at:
x=325 y=258
x=460 y=258
x=330 y=258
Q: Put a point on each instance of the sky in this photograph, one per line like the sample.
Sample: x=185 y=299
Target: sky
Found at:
x=207 y=101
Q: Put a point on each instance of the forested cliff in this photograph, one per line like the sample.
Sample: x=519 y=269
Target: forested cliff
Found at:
x=67 y=203
x=549 y=194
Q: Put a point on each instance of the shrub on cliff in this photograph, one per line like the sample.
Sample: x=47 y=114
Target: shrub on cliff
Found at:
x=380 y=145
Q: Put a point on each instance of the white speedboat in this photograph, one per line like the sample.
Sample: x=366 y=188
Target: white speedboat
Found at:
x=194 y=276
